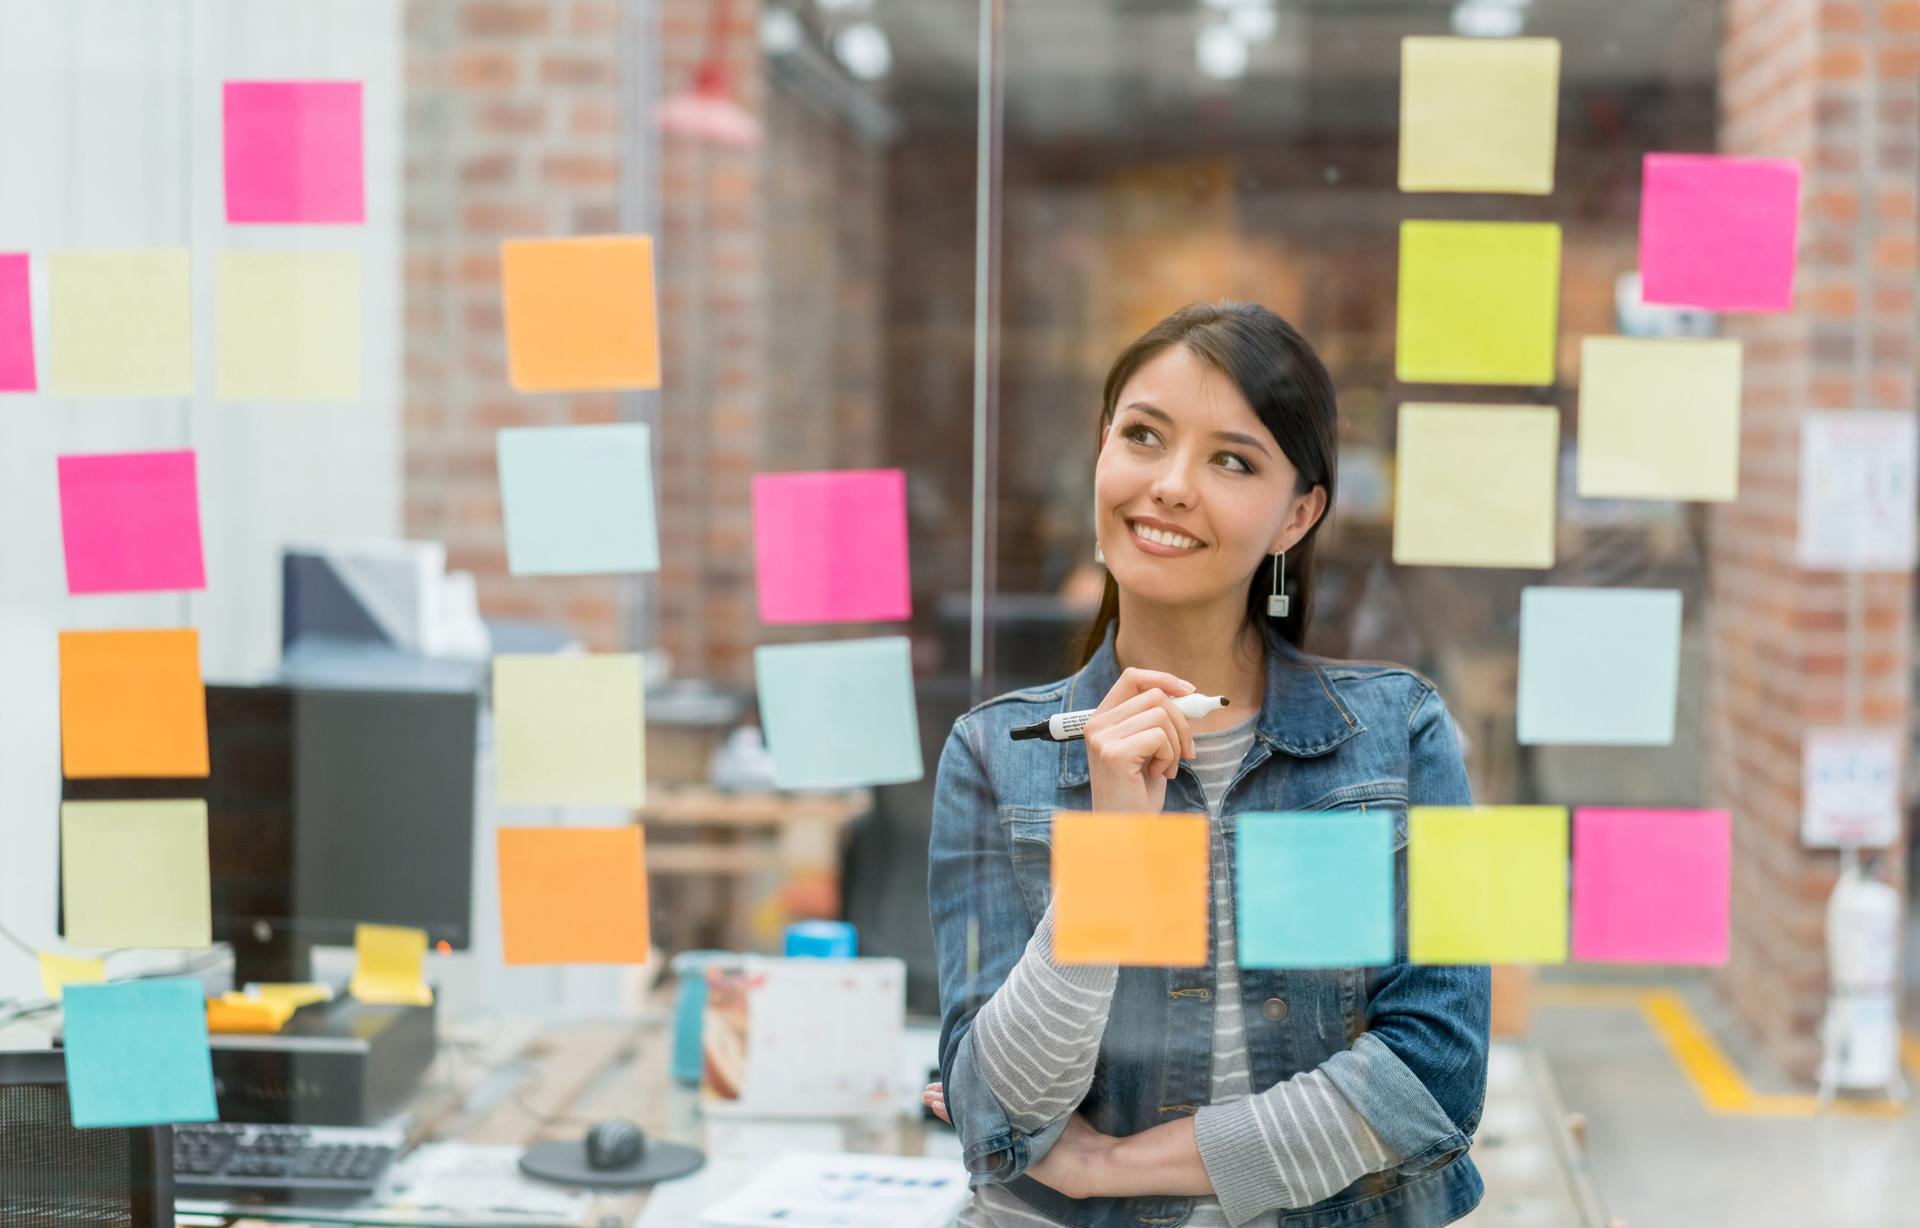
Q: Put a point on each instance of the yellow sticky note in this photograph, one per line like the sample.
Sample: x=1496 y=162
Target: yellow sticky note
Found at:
x=288 y=326
x=134 y=874
x=294 y=994
x=120 y=323
x=389 y=966
x=1130 y=889
x=58 y=971
x=1478 y=114
x=1479 y=302
x=570 y=730
x=1659 y=419
x=236 y=1012
x=1474 y=485
x=1487 y=884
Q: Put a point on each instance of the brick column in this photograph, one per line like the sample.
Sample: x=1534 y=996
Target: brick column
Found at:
x=1835 y=84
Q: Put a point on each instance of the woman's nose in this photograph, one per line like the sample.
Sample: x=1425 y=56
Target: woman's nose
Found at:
x=1172 y=487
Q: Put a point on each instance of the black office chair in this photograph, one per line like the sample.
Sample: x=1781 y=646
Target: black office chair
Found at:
x=53 y=1175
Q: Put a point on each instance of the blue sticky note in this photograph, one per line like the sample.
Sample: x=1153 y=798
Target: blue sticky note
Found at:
x=1314 y=890
x=840 y=714
x=578 y=500
x=137 y=1053
x=1598 y=667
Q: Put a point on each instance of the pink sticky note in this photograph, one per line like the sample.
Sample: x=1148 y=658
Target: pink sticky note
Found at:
x=1651 y=886
x=16 y=326
x=293 y=151
x=831 y=547
x=131 y=521
x=1719 y=233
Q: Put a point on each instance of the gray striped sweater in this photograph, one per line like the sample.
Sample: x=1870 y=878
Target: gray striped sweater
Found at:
x=1037 y=1038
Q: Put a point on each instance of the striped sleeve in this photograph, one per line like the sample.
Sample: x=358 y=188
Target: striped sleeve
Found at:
x=1292 y=1145
x=1037 y=1037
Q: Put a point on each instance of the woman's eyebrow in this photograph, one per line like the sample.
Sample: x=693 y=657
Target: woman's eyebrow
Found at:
x=1154 y=411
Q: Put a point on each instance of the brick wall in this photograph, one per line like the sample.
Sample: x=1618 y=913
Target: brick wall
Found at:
x=1835 y=84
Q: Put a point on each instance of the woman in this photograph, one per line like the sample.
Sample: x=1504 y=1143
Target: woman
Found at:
x=1101 y=1097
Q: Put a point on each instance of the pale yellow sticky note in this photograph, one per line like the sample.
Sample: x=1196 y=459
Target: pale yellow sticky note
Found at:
x=134 y=874
x=1478 y=114
x=1474 y=485
x=293 y=993
x=58 y=971
x=1659 y=419
x=120 y=323
x=288 y=326
x=1479 y=302
x=1487 y=884
x=570 y=730
x=389 y=966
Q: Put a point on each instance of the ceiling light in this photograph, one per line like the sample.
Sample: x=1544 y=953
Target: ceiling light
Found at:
x=863 y=50
x=1220 y=52
x=1254 y=23
x=780 y=31
x=1488 y=19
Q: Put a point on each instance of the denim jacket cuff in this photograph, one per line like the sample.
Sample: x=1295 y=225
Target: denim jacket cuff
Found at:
x=1411 y=1124
x=991 y=1147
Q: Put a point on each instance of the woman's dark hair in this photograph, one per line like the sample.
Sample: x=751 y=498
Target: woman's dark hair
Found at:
x=1289 y=388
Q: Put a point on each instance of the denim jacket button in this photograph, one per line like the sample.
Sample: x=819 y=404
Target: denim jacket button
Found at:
x=1275 y=1009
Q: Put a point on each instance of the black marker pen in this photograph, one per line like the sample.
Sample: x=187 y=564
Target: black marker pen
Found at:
x=1067 y=726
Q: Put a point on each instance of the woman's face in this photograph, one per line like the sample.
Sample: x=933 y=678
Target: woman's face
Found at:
x=1191 y=491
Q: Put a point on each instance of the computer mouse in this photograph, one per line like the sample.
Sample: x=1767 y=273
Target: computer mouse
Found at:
x=615 y=1143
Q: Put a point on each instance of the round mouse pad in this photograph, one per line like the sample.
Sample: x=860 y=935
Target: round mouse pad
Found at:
x=566 y=1163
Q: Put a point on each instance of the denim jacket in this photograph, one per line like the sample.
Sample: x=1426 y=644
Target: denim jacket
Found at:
x=1330 y=736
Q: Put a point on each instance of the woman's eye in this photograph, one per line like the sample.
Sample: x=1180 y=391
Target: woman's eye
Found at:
x=1235 y=462
x=1141 y=434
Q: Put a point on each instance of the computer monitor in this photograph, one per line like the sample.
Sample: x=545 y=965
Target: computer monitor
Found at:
x=326 y=808
x=53 y=1175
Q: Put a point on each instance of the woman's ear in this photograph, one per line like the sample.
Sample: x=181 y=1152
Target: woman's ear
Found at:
x=1307 y=510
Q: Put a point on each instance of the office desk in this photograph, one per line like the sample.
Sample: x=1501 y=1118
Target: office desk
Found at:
x=494 y=1084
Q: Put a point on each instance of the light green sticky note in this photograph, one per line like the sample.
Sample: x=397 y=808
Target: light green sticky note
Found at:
x=1598 y=666
x=1478 y=114
x=839 y=714
x=579 y=499
x=288 y=326
x=1474 y=485
x=1660 y=419
x=1487 y=885
x=134 y=874
x=570 y=730
x=120 y=323
x=1479 y=302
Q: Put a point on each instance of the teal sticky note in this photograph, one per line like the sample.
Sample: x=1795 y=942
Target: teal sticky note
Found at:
x=578 y=500
x=137 y=1053
x=1314 y=890
x=839 y=714
x=1598 y=666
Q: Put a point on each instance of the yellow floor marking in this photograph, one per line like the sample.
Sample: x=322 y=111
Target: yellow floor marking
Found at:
x=1718 y=1083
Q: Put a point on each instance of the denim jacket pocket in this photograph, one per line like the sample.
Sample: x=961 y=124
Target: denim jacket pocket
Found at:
x=1029 y=832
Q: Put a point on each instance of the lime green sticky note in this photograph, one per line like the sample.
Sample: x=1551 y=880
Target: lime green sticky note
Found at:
x=1474 y=485
x=570 y=730
x=120 y=323
x=1479 y=302
x=1487 y=885
x=1478 y=114
x=134 y=874
x=1660 y=419
x=288 y=326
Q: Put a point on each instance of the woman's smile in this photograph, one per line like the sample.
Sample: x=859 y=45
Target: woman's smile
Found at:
x=1159 y=538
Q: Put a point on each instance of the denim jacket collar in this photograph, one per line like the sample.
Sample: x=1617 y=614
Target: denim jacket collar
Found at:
x=1298 y=714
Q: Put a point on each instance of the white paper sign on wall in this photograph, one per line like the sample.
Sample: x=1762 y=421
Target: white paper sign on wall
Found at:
x=1850 y=781
x=1858 y=499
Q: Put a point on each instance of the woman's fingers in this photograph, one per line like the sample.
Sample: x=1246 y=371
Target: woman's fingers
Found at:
x=1151 y=700
x=1133 y=681
x=1148 y=740
x=935 y=1098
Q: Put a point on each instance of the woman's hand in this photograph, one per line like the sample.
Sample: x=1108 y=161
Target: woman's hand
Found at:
x=1078 y=1164
x=1135 y=741
x=934 y=1096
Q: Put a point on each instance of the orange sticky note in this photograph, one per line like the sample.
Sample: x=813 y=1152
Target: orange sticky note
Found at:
x=132 y=704
x=580 y=313
x=1130 y=889
x=573 y=895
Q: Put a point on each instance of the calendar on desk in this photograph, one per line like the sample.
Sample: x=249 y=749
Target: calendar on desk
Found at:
x=802 y=1037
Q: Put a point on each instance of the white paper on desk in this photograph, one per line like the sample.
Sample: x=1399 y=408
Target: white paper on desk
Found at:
x=474 y=1178
x=806 y=1190
x=803 y=1037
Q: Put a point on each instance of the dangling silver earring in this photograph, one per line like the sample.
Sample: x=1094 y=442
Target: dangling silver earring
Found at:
x=1277 y=603
x=1099 y=555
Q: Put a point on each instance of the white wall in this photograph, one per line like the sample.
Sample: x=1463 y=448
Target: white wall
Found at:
x=111 y=116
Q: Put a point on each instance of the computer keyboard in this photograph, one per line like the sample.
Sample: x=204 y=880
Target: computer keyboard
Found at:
x=221 y=1161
